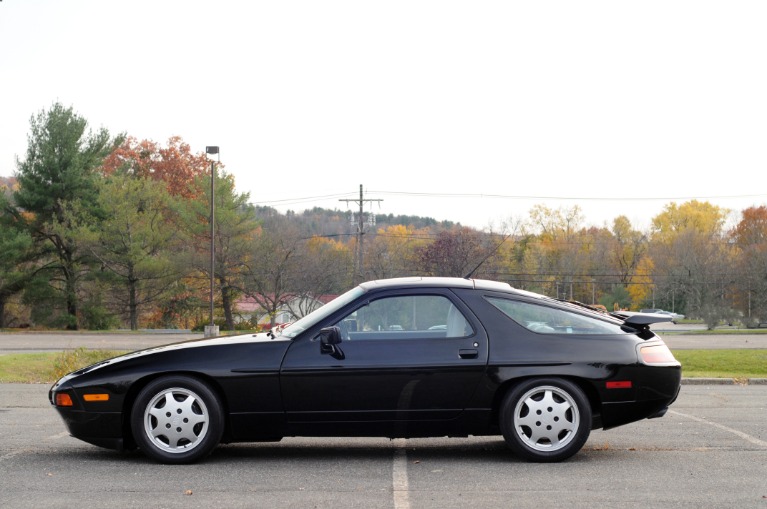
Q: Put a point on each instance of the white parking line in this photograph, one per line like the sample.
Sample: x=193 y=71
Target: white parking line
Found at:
x=399 y=476
x=742 y=435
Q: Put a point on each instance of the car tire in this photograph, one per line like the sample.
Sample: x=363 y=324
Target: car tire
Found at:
x=177 y=419
x=545 y=419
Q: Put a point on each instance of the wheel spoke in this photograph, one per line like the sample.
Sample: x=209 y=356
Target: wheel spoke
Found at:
x=187 y=433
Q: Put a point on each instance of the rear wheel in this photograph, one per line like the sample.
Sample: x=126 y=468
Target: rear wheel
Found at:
x=177 y=419
x=545 y=419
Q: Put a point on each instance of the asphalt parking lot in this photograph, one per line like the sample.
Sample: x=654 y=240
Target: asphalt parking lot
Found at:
x=710 y=450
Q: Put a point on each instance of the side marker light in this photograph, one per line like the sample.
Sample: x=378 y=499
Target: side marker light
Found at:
x=96 y=397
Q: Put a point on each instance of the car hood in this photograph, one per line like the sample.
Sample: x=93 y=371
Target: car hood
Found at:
x=141 y=355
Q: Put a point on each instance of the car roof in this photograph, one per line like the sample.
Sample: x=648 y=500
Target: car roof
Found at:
x=441 y=282
x=488 y=285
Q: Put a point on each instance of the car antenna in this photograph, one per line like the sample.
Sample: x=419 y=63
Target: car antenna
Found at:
x=483 y=260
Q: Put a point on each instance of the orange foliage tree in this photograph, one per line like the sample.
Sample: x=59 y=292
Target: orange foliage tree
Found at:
x=750 y=237
x=175 y=165
x=393 y=251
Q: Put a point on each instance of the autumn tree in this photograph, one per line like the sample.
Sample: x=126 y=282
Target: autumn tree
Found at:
x=272 y=267
x=640 y=288
x=393 y=251
x=629 y=248
x=175 y=164
x=458 y=252
x=57 y=187
x=324 y=267
x=691 y=260
x=628 y=257
x=750 y=238
x=592 y=269
x=553 y=255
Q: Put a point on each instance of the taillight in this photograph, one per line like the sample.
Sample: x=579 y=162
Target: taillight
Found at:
x=656 y=354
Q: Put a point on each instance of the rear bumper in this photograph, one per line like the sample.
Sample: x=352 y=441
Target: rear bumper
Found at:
x=618 y=414
x=656 y=389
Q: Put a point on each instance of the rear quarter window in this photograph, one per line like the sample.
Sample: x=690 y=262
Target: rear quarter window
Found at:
x=550 y=320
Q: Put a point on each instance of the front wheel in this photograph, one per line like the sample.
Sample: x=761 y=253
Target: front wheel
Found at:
x=177 y=419
x=545 y=419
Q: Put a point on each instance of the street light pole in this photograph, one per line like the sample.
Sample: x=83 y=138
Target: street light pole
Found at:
x=211 y=330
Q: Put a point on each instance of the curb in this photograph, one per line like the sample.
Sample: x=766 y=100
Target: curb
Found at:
x=724 y=381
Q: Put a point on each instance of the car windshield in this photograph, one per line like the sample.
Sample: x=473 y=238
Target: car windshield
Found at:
x=296 y=328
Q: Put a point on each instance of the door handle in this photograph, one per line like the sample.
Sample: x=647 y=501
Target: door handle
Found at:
x=468 y=353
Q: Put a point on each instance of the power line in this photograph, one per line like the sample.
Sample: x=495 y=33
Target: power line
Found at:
x=579 y=198
x=306 y=199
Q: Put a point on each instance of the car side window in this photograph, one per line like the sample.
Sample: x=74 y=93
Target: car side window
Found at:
x=405 y=317
x=549 y=320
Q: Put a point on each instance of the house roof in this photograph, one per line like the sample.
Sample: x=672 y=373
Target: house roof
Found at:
x=248 y=304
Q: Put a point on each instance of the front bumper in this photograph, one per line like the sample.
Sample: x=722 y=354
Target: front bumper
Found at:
x=103 y=429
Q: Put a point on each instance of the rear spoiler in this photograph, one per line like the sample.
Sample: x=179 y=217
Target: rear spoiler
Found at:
x=640 y=320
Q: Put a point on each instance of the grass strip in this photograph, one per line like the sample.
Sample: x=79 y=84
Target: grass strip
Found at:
x=47 y=367
x=729 y=363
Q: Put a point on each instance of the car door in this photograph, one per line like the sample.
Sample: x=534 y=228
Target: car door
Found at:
x=404 y=356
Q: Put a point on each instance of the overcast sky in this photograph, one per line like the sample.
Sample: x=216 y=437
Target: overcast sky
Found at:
x=469 y=111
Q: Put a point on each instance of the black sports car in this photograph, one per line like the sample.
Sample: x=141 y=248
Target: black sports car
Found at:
x=410 y=357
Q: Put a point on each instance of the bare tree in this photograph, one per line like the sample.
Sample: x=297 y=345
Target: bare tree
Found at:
x=271 y=269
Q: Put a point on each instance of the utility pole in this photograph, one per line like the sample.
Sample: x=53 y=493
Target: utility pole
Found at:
x=361 y=231
x=211 y=330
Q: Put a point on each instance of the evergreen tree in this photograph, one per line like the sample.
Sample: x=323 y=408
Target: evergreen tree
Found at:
x=57 y=189
x=15 y=246
x=134 y=242
x=235 y=232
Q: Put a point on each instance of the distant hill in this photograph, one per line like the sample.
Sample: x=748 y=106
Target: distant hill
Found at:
x=327 y=222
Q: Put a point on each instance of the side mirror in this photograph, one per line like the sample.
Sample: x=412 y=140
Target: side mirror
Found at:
x=329 y=338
